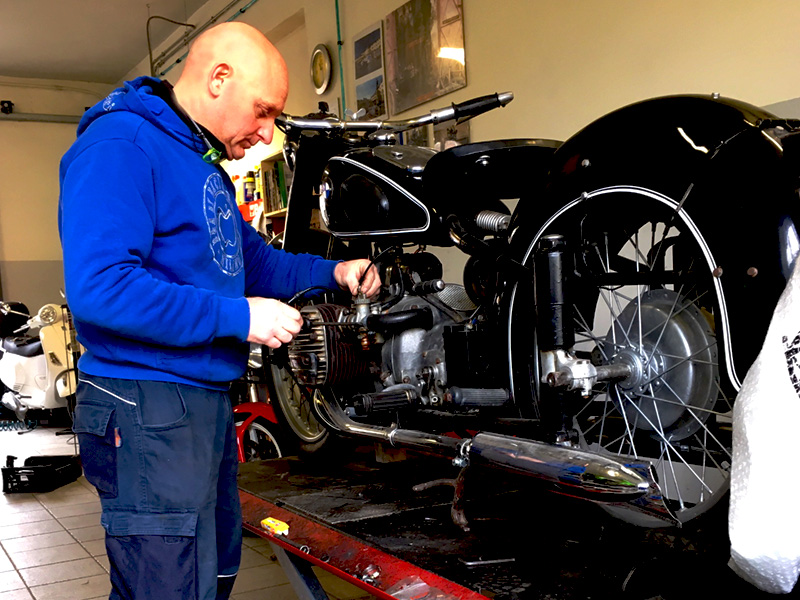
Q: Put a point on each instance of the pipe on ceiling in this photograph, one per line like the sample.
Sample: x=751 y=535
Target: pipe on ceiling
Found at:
x=184 y=41
x=40 y=118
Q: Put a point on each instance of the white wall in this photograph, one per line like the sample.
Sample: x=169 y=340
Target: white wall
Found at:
x=567 y=61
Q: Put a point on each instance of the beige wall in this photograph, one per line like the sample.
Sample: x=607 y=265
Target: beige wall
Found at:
x=567 y=62
x=30 y=253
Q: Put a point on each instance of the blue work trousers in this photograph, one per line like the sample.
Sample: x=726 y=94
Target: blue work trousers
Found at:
x=163 y=459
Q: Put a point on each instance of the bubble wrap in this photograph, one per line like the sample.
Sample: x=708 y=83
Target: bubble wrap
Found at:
x=764 y=519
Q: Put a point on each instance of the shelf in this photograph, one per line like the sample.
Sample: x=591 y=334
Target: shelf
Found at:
x=276 y=213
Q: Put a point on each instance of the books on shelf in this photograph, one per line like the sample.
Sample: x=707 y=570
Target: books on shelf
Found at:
x=275 y=184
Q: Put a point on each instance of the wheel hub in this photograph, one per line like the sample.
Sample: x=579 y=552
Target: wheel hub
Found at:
x=646 y=367
x=671 y=350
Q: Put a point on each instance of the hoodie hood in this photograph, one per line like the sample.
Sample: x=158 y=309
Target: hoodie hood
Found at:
x=150 y=99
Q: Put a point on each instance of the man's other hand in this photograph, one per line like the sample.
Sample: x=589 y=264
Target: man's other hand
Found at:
x=273 y=323
x=348 y=274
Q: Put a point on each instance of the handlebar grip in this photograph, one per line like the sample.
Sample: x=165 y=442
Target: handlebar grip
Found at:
x=476 y=106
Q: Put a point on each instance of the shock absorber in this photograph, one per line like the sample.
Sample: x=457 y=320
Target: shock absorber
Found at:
x=555 y=331
x=553 y=267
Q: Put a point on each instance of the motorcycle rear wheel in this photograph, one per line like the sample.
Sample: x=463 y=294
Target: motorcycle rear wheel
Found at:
x=645 y=296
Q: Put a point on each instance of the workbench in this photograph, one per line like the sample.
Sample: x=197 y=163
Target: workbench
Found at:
x=364 y=522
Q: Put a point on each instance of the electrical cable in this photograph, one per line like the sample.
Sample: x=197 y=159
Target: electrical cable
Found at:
x=302 y=293
x=149 y=47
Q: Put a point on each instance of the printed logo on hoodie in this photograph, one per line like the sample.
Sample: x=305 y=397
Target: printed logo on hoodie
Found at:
x=225 y=239
x=110 y=101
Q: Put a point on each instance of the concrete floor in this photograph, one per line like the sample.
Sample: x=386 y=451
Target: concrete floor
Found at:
x=52 y=545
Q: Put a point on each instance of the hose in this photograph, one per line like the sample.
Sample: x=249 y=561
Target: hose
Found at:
x=16 y=425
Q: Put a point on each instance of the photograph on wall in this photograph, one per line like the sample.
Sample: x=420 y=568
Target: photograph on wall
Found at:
x=424 y=48
x=370 y=79
x=419 y=136
x=370 y=96
x=450 y=134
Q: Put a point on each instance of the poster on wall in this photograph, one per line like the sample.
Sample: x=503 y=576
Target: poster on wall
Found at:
x=424 y=47
x=370 y=79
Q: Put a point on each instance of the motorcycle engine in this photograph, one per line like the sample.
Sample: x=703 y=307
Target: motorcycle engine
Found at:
x=414 y=357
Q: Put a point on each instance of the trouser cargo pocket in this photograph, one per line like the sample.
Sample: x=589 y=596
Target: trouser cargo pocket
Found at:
x=163 y=539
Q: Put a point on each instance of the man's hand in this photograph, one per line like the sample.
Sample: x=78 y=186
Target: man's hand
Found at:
x=348 y=275
x=273 y=323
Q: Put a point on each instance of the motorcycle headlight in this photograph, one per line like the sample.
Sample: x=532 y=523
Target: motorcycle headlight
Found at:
x=48 y=315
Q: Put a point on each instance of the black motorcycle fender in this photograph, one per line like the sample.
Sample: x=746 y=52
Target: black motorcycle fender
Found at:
x=731 y=173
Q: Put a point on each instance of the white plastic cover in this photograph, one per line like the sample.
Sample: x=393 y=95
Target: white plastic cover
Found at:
x=764 y=519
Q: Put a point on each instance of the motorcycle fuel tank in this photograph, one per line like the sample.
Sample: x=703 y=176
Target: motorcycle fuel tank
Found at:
x=376 y=191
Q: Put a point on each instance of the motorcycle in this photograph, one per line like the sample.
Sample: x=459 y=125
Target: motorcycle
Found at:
x=38 y=369
x=603 y=326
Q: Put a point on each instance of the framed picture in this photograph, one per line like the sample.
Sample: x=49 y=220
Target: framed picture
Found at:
x=419 y=136
x=424 y=48
x=449 y=134
x=369 y=69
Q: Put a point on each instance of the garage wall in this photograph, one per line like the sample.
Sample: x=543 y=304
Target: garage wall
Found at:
x=570 y=61
x=567 y=62
x=30 y=253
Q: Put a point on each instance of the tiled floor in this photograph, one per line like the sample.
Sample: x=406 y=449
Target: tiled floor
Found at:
x=52 y=547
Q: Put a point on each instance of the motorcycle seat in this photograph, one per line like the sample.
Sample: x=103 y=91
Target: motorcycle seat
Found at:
x=23 y=346
x=494 y=169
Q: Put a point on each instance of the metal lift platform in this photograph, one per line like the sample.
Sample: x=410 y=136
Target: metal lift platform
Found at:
x=387 y=528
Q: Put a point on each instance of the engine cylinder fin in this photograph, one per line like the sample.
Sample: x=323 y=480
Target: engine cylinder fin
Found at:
x=324 y=355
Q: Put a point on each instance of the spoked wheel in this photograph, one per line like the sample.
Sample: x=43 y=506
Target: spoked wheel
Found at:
x=645 y=297
x=261 y=441
x=295 y=409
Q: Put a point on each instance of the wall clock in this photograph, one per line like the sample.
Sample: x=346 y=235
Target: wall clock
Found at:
x=321 y=70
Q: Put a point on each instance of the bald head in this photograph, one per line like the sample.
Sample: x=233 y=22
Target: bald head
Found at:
x=234 y=83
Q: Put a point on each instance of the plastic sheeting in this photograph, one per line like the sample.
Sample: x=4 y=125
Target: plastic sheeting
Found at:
x=764 y=519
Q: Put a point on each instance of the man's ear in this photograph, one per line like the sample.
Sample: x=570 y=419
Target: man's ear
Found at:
x=217 y=77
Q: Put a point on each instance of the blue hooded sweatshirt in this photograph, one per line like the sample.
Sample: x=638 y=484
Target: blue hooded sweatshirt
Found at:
x=157 y=257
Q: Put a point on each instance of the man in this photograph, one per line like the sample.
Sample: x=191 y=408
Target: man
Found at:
x=167 y=285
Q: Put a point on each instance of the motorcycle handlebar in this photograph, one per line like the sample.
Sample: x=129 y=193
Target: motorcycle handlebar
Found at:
x=469 y=108
x=477 y=106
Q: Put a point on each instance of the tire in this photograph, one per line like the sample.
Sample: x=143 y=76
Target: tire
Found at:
x=644 y=295
x=294 y=409
x=262 y=441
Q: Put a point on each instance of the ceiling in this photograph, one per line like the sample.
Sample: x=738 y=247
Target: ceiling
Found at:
x=83 y=40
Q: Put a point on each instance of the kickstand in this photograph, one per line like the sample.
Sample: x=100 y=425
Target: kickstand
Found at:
x=457 y=506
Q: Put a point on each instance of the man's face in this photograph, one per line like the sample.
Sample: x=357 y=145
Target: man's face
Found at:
x=250 y=107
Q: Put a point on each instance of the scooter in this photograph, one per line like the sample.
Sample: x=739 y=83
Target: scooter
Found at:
x=38 y=367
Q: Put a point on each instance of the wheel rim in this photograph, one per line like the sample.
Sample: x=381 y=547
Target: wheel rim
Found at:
x=296 y=407
x=671 y=409
x=260 y=443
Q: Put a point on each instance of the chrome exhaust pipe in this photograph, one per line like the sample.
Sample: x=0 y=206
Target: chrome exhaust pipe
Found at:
x=334 y=417
x=607 y=479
